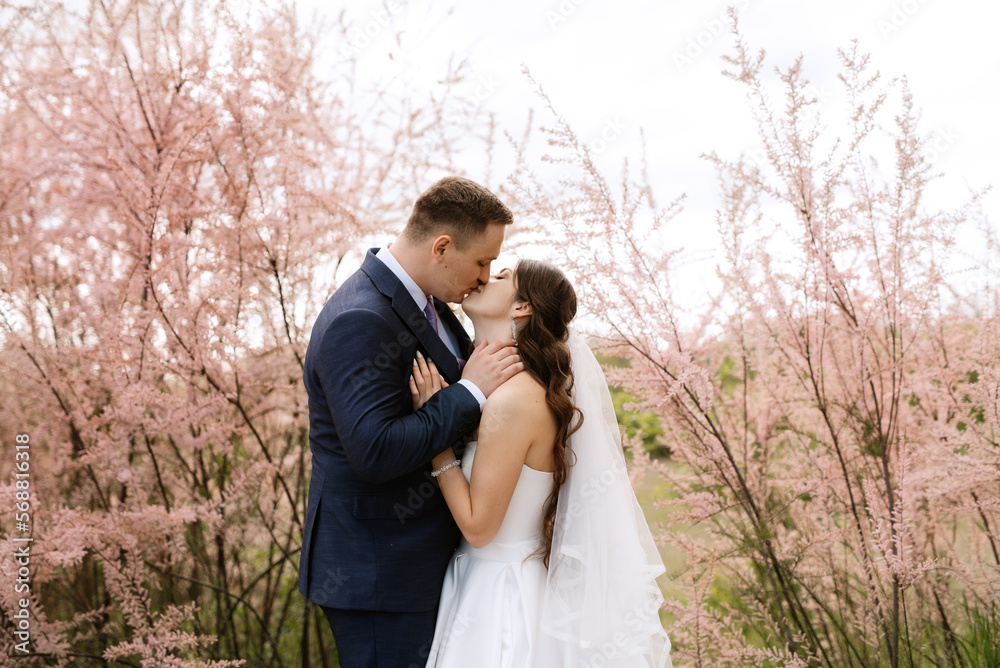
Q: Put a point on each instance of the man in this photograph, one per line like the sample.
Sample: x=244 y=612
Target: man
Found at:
x=378 y=535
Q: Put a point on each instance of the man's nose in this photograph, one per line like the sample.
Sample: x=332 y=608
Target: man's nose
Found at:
x=484 y=276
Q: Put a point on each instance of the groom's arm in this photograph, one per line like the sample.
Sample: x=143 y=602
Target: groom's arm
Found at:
x=359 y=371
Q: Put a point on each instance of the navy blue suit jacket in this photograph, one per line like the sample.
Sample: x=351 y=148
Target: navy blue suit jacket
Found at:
x=378 y=535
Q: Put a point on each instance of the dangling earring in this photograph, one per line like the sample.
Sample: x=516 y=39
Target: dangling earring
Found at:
x=513 y=331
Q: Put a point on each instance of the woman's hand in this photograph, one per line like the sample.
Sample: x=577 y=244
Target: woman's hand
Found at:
x=425 y=381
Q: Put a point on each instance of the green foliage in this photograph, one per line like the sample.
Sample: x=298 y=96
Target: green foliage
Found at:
x=729 y=381
x=635 y=422
x=980 y=647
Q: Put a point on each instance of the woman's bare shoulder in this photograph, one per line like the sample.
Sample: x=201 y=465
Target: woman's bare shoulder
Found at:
x=522 y=392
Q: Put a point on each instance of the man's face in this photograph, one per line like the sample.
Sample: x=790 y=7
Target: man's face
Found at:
x=462 y=271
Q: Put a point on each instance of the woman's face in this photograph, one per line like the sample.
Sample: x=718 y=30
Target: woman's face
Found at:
x=494 y=299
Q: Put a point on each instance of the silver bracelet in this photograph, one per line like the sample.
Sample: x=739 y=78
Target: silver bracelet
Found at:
x=457 y=462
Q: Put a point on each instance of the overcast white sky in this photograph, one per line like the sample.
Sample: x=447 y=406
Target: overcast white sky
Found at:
x=634 y=64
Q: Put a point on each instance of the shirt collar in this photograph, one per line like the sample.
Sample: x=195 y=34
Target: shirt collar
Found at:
x=411 y=286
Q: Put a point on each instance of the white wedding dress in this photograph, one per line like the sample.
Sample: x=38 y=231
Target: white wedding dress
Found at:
x=597 y=605
x=488 y=617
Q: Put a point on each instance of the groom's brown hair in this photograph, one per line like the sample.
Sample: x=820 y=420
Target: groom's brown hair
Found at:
x=458 y=207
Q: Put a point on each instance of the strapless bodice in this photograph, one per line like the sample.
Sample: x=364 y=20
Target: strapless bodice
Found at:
x=522 y=524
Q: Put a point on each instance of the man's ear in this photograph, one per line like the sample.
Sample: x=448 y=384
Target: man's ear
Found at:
x=441 y=244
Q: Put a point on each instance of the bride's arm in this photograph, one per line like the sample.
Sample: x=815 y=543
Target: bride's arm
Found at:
x=511 y=416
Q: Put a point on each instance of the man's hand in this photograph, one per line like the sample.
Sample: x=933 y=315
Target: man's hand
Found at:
x=492 y=364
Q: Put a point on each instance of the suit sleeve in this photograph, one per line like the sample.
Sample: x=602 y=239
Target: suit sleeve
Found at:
x=359 y=371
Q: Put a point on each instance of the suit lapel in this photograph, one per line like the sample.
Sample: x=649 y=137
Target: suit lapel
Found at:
x=414 y=318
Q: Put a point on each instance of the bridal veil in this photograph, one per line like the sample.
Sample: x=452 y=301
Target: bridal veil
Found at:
x=601 y=600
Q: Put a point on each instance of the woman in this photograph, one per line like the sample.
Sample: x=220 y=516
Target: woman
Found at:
x=557 y=566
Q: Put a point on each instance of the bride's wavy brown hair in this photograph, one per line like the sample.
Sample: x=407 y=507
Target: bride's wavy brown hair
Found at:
x=541 y=341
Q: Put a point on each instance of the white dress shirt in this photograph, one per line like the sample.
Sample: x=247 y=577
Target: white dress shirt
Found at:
x=420 y=299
